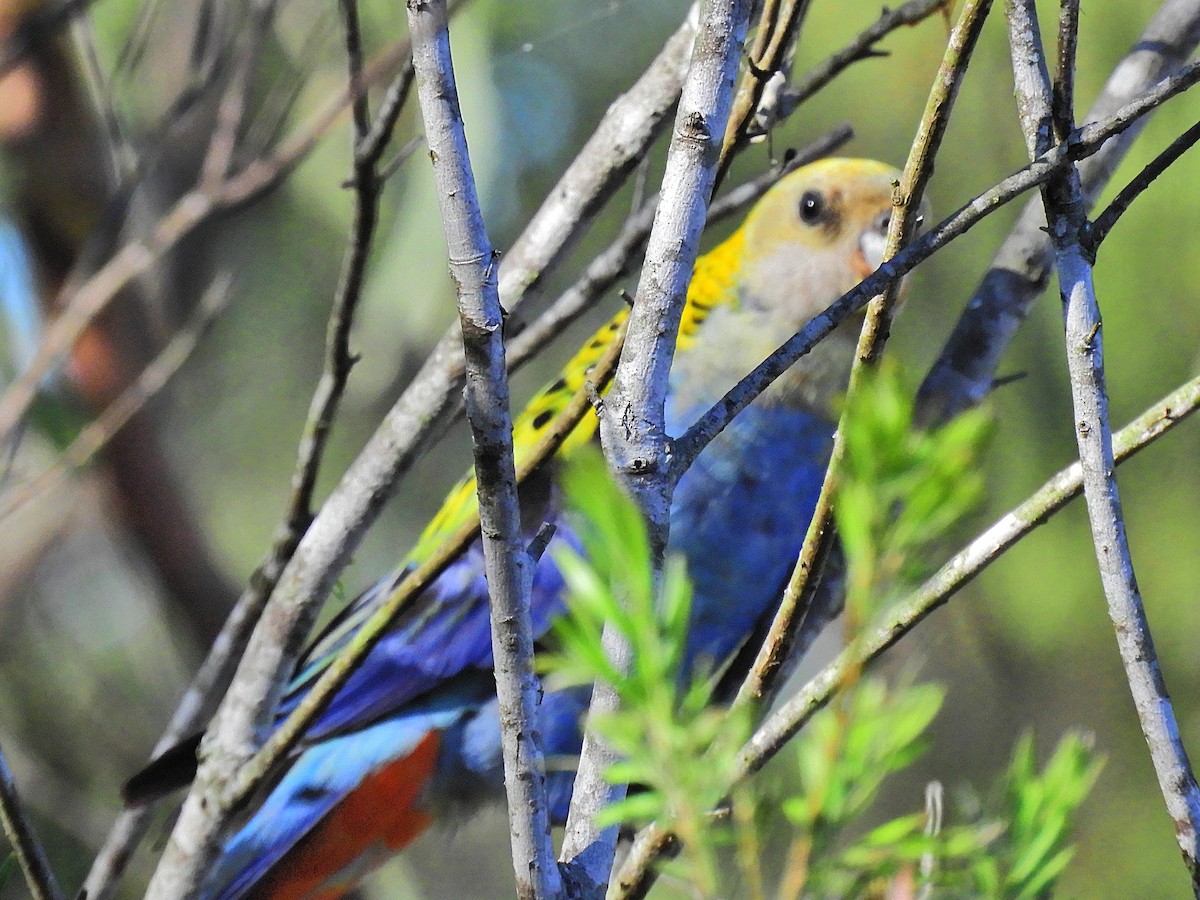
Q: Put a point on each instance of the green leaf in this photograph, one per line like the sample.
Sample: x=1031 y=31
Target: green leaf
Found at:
x=676 y=748
x=847 y=752
x=1042 y=807
x=635 y=808
x=895 y=831
x=899 y=490
x=1040 y=883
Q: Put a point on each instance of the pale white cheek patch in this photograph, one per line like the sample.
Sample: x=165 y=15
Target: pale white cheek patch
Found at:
x=872 y=244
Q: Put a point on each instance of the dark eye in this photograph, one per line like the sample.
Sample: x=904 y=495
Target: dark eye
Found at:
x=812 y=207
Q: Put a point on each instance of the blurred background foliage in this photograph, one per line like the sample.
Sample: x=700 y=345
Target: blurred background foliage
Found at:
x=93 y=657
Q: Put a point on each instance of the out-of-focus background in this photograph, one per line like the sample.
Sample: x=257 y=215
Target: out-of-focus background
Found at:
x=112 y=582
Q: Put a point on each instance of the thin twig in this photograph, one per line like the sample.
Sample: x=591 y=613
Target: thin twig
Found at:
x=508 y=566
x=860 y=48
x=654 y=842
x=778 y=28
x=1103 y=223
x=154 y=377
x=122 y=156
x=633 y=430
x=231 y=110
x=641 y=176
x=1065 y=208
x=819 y=539
x=136 y=42
x=373 y=144
x=401 y=156
x=273 y=111
x=1063 y=99
x=966 y=368
x=39 y=877
x=360 y=106
x=367 y=186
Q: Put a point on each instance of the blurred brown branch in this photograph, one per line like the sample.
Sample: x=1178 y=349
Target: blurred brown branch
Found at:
x=96 y=434
x=62 y=193
x=256 y=178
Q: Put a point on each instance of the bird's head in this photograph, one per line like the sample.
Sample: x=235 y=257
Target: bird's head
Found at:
x=810 y=239
x=815 y=235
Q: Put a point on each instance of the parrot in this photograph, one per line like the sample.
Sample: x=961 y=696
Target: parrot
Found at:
x=413 y=737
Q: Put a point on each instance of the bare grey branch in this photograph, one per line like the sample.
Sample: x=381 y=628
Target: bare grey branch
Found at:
x=632 y=428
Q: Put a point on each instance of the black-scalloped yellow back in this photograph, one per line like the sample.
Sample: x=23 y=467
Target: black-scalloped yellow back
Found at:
x=713 y=283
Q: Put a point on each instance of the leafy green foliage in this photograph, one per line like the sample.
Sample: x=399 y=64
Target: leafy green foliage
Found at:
x=1035 y=849
x=1015 y=848
x=678 y=749
x=847 y=753
x=900 y=489
x=843 y=760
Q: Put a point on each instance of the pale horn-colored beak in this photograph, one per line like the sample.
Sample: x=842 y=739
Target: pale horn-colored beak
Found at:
x=871 y=245
x=874 y=241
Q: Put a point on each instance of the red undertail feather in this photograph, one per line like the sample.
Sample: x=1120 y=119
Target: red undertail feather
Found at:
x=377 y=819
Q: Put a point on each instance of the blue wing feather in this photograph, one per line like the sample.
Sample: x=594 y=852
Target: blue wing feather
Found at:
x=451 y=633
